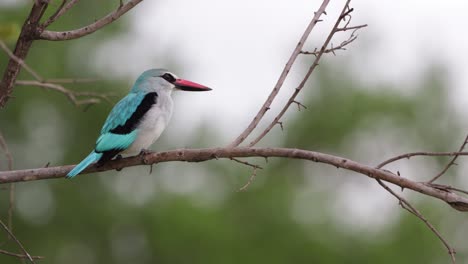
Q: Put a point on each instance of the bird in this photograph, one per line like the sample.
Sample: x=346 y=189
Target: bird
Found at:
x=137 y=120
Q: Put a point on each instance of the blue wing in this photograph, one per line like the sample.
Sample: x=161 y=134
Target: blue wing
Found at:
x=111 y=141
x=118 y=117
x=122 y=111
x=121 y=127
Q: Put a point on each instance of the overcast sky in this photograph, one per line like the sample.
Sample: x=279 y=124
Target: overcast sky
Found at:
x=240 y=47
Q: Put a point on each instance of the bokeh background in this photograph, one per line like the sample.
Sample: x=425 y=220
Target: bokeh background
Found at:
x=401 y=86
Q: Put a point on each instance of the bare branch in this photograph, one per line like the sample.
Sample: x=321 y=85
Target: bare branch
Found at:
x=447 y=188
x=282 y=78
x=247 y=184
x=27 y=36
x=7 y=152
x=410 y=208
x=70 y=80
x=351 y=28
x=406 y=205
x=197 y=155
x=246 y=163
x=319 y=54
x=252 y=176
x=8 y=253
x=81 y=32
x=332 y=49
x=59 y=12
x=452 y=161
x=20 y=61
x=420 y=153
x=299 y=105
x=71 y=95
x=50 y=84
x=11 y=188
x=17 y=241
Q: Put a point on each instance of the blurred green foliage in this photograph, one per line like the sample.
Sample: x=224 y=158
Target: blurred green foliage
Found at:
x=192 y=213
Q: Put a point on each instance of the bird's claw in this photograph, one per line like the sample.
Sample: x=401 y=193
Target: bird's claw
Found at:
x=143 y=152
x=118 y=157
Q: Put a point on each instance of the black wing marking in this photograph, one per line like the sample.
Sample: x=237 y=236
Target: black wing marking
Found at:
x=108 y=155
x=148 y=101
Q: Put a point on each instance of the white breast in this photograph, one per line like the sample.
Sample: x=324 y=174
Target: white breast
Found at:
x=152 y=125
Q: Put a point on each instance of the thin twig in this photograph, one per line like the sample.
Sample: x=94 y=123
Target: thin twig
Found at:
x=81 y=32
x=299 y=105
x=17 y=241
x=71 y=95
x=420 y=153
x=266 y=106
x=70 y=80
x=332 y=49
x=7 y=152
x=11 y=203
x=447 y=188
x=410 y=208
x=11 y=188
x=20 y=61
x=59 y=12
x=252 y=176
x=452 y=162
x=247 y=184
x=292 y=99
x=246 y=163
x=27 y=35
x=4 y=252
x=350 y=28
x=53 y=83
x=54 y=15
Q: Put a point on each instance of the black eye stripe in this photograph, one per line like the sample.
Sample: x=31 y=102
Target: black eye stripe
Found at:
x=168 y=77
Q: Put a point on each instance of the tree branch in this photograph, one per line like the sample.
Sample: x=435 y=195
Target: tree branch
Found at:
x=452 y=162
x=81 y=32
x=197 y=155
x=17 y=241
x=332 y=49
x=420 y=153
x=19 y=61
x=8 y=253
x=63 y=8
x=282 y=78
x=323 y=50
x=27 y=36
x=71 y=95
x=410 y=208
x=11 y=188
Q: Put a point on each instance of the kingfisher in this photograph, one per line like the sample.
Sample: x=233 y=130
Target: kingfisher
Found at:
x=137 y=120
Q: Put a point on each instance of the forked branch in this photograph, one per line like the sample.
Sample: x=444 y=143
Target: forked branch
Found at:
x=266 y=106
x=346 y=12
x=91 y=28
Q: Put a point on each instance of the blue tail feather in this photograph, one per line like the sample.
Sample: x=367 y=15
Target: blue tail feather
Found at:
x=92 y=157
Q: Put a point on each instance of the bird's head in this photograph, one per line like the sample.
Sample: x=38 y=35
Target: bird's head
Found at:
x=161 y=80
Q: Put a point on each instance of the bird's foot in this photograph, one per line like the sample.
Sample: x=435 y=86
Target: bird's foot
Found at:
x=118 y=157
x=143 y=152
x=142 y=155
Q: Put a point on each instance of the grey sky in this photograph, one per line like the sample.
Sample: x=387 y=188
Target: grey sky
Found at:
x=240 y=47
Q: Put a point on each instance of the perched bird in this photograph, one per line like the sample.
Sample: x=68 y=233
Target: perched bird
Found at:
x=139 y=118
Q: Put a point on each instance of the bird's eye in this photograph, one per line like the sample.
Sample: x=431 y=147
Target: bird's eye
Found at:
x=168 y=77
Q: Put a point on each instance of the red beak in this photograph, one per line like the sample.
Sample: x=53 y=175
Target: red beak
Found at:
x=190 y=86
